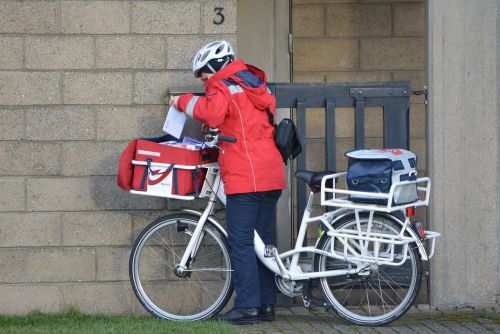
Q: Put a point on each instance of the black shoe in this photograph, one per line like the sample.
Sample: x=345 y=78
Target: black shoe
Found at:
x=267 y=313
x=240 y=316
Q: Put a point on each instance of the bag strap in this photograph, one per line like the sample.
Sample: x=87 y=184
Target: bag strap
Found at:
x=271 y=117
x=174 y=181
x=145 y=174
x=195 y=173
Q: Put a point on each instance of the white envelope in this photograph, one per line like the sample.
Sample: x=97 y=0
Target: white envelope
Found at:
x=174 y=123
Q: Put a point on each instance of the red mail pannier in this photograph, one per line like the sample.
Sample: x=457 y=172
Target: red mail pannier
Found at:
x=174 y=167
x=166 y=168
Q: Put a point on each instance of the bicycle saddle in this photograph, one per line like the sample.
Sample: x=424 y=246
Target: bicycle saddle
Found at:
x=313 y=179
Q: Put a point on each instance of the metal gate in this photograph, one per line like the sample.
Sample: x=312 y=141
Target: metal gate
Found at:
x=393 y=97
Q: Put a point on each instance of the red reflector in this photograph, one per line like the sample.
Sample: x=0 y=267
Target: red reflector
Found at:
x=410 y=212
x=420 y=229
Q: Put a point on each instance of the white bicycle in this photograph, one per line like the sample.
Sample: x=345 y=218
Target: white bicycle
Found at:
x=367 y=263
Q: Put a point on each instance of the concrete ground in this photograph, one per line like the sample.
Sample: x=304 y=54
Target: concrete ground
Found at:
x=301 y=320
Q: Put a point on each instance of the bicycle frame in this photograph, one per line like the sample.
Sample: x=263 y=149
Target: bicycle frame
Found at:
x=355 y=243
x=212 y=188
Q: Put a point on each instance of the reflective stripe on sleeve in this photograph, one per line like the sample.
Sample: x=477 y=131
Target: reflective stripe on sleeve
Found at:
x=233 y=89
x=190 y=106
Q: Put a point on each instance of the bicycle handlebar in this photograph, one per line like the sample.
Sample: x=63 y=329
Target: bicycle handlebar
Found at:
x=225 y=138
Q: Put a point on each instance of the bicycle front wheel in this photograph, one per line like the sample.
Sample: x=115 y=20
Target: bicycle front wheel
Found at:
x=377 y=294
x=199 y=293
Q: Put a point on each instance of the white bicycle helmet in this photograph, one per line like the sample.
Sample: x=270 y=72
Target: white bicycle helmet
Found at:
x=220 y=50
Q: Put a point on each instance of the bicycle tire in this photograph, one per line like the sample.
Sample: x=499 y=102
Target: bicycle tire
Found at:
x=198 y=296
x=399 y=285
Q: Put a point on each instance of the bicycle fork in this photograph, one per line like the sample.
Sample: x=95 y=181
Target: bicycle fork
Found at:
x=182 y=268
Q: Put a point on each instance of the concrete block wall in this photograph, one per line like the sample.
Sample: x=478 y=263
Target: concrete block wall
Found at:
x=360 y=40
x=78 y=80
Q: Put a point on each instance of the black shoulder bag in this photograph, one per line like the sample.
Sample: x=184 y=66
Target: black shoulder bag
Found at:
x=285 y=137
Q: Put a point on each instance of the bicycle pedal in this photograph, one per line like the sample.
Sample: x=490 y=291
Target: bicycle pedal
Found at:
x=269 y=251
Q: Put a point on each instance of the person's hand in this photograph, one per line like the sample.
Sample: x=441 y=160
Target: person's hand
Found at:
x=173 y=100
x=205 y=128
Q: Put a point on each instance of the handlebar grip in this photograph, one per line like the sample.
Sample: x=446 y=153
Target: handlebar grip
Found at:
x=228 y=139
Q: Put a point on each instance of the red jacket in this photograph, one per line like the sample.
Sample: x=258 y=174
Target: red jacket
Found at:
x=235 y=102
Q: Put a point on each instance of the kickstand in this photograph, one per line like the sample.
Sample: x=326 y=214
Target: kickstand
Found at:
x=311 y=302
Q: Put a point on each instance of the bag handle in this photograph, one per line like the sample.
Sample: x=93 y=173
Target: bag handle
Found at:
x=148 y=169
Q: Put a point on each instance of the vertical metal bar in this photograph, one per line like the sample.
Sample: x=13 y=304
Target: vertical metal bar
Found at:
x=301 y=159
x=359 y=123
x=397 y=122
x=330 y=148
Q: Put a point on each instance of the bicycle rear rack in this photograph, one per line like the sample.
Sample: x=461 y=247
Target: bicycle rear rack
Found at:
x=355 y=247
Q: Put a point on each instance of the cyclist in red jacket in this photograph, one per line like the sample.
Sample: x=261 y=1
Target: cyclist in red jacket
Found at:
x=252 y=169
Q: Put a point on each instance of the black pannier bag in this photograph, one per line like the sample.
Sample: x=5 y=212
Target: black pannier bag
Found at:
x=376 y=170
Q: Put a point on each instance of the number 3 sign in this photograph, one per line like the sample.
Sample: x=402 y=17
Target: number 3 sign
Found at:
x=219 y=16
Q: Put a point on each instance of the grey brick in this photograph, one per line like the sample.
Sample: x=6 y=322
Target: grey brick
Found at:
x=209 y=15
x=47 y=264
x=141 y=219
x=166 y=17
x=59 y=52
x=112 y=263
x=130 y=52
x=374 y=122
x=11 y=52
x=316 y=55
x=90 y=158
x=357 y=20
x=315 y=123
x=298 y=2
x=12 y=123
x=28 y=229
x=109 y=197
x=41 y=17
x=107 y=298
x=13 y=194
x=97 y=88
x=60 y=123
x=409 y=19
x=23 y=88
x=61 y=194
x=125 y=123
x=181 y=50
x=45 y=298
x=96 y=228
x=417 y=121
x=150 y=87
x=392 y=54
x=368 y=1
x=29 y=158
x=315 y=155
x=308 y=77
x=358 y=76
x=95 y=17
x=418 y=147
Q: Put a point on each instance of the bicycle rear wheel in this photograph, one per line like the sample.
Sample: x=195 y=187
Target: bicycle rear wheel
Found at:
x=380 y=293
x=198 y=294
